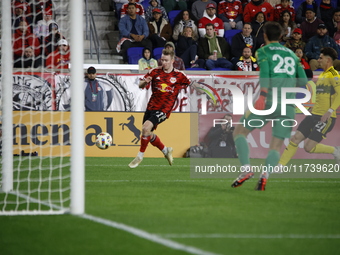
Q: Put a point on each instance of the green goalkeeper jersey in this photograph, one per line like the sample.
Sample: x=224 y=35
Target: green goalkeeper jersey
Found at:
x=279 y=67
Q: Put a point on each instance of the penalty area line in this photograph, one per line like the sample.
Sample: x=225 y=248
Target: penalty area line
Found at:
x=146 y=235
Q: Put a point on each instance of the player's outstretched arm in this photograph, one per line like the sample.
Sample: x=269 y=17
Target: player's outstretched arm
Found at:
x=143 y=82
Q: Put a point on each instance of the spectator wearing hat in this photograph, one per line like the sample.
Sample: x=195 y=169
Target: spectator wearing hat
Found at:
x=198 y=8
x=41 y=29
x=155 y=4
x=214 y=50
x=23 y=38
x=52 y=39
x=134 y=32
x=256 y=6
x=209 y=17
x=40 y=8
x=160 y=30
x=302 y=9
x=61 y=57
x=316 y=43
x=178 y=63
x=96 y=98
x=295 y=42
x=310 y=25
x=21 y=11
x=139 y=9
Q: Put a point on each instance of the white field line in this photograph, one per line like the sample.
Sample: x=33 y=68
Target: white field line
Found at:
x=252 y=236
x=146 y=235
x=212 y=180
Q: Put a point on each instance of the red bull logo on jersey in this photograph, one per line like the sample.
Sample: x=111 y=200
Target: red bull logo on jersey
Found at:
x=173 y=79
x=165 y=88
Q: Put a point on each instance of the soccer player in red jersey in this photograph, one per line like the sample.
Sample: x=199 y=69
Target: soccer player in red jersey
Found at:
x=166 y=83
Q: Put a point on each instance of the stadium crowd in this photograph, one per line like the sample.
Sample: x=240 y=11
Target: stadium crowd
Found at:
x=308 y=25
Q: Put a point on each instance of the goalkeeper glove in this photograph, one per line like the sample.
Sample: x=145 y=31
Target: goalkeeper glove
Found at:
x=261 y=101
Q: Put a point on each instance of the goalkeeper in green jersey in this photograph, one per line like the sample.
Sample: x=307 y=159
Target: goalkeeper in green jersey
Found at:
x=313 y=128
x=279 y=68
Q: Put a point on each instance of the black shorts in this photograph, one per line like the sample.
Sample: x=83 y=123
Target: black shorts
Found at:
x=156 y=117
x=311 y=127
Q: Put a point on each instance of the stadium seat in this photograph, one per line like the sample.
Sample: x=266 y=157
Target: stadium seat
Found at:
x=145 y=4
x=228 y=34
x=172 y=15
x=134 y=54
x=194 y=69
x=220 y=69
x=157 y=52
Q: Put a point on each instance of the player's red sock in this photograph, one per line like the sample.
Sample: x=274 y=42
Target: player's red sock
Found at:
x=144 y=143
x=155 y=141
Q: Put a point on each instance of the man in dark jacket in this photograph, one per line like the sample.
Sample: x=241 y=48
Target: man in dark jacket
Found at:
x=242 y=40
x=214 y=50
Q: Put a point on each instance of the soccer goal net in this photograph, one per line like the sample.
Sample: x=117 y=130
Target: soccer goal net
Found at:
x=42 y=149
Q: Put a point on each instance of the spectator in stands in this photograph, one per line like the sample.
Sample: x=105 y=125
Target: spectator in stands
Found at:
x=198 y=8
x=316 y=43
x=283 y=6
x=220 y=140
x=230 y=12
x=155 y=4
x=178 y=63
x=310 y=25
x=246 y=62
x=170 y=5
x=28 y=59
x=242 y=40
x=39 y=9
x=160 y=30
x=118 y=6
x=51 y=41
x=60 y=58
x=19 y=14
x=41 y=30
x=147 y=62
x=287 y=24
x=302 y=9
x=303 y=60
x=184 y=19
x=23 y=38
x=326 y=12
x=295 y=41
x=256 y=6
x=336 y=36
x=139 y=9
x=335 y=22
x=187 y=47
x=257 y=28
x=133 y=31
x=209 y=17
x=214 y=50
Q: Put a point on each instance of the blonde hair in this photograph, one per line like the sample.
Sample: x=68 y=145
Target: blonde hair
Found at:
x=168 y=52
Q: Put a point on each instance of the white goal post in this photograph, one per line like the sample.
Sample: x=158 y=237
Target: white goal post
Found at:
x=31 y=183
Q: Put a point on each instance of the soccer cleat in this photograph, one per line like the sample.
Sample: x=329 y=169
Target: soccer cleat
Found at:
x=241 y=179
x=336 y=154
x=168 y=156
x=261 y=184
x=134 y=163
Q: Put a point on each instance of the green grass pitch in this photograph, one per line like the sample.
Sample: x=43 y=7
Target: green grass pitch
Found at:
x=293 y=216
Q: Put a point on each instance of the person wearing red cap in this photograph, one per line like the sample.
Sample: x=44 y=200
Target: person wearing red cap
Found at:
x=40 y=8
x=152 y=5
x=256 y=6
x=139 y=9
x=295 y=41
x=160 y=30
x=198 y=8
x=21 y=11
x=283 y=6
x=209 y=17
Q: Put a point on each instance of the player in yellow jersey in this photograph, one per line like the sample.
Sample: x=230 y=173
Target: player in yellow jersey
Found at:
x=315 y=127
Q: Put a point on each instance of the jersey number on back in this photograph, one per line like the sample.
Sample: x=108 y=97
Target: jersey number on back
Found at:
x=285 y=65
